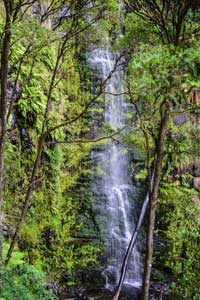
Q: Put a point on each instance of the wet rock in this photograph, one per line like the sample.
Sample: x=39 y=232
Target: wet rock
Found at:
x=78 y=293
x=63 y=13
x=181 y=119
x=25 y=139
x=94 y=277
x=110 y=274
x=158 y=289
x=74 y=293
x=36 y=10
x=53 y=287
x=196 y=183
x=14 y=90
x=31 y=118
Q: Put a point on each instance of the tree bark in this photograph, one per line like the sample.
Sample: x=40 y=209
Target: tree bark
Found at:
x=3 y=108
x=153 y=204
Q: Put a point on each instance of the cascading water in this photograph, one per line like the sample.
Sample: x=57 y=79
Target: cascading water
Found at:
x=114 y=192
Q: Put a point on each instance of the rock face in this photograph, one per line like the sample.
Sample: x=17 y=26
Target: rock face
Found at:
x=196 y=182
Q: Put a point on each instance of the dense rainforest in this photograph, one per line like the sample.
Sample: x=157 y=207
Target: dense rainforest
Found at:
x=99 y=149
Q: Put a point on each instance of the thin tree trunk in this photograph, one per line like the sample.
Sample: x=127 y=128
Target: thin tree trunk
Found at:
x=132 y=243
x=153 y=203
x=27 y=200
x=161 y=293
x=3 y=108
x=36 y=164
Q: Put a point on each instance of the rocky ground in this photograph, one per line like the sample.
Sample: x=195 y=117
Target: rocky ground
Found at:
x=129 y=293
x=98 y=294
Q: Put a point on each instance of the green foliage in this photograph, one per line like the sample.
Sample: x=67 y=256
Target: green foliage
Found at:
x=141 y=175
x=164 y=73
x=161 y=76
x=23 y=282
x=137 y=33
x=59 y=231
x=180 y=209
x=57 y=215
x=17 y=258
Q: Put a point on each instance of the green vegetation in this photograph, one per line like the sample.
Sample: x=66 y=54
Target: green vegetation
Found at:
x=24 y=282
x=50 y=113
x=181 y=229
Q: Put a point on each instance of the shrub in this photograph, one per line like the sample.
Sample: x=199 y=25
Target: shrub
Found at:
x=24 y=282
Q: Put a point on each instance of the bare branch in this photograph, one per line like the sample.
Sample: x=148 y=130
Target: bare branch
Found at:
x=85 y=141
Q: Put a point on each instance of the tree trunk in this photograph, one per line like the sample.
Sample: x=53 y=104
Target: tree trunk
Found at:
x=152 y=206
x=27 y=199
x=3 y=108
x=36 y=164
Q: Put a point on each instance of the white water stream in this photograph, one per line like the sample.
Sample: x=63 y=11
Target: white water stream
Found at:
x=115 y=192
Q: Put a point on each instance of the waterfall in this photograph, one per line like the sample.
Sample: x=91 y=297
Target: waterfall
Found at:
x=114 y=192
